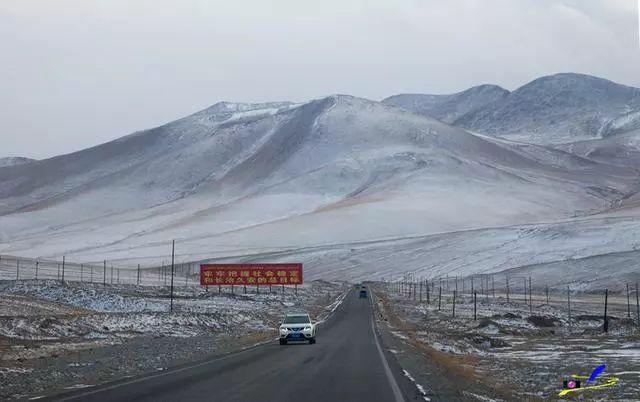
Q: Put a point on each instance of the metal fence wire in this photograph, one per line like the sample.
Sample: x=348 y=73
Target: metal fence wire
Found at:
x=467 y=296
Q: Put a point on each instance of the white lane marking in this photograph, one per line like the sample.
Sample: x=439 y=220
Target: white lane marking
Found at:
x=478 y=397
x=420 y=387
x=392 y=381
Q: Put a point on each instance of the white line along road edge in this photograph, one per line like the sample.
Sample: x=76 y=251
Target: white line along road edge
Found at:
x=392 y=380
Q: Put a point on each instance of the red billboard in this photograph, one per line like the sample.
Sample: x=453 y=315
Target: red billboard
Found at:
x=251 y=274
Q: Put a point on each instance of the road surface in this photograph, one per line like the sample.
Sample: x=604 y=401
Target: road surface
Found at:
x=346 y=364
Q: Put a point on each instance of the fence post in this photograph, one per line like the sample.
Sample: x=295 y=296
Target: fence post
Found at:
x=486 y=288
x=546 y=290
x=104 y=273
x=569 y=306
x=439 y=297
x=525 y=290
x=37 y=263
x=17 y=269
x=428 y=294
x=81 y=272
x=454 y=303
x=118 y=275
x=507 y=276
x=637 y=304
x=475 y=306
x=628 y=303
x=58 y=275
x=420 y=291
x=63 y=258
x=138 y=278
x=493 y=287
x=91 y=275
x=605 y=327
x=472 y=286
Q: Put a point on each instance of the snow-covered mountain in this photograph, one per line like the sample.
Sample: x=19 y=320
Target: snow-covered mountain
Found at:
x=14 y=160
x=449 y=108
x=557 y=109
x=276 y=175
x=307 y=181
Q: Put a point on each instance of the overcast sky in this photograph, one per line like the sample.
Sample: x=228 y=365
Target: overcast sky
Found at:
x=76 y=73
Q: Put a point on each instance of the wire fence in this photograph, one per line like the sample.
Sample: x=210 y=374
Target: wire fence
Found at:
x=466 y=297
x=186 y=274
x=21 y=268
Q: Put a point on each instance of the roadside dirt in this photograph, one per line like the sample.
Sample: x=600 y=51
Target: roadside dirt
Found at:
x=519 y=352
x=442 y=376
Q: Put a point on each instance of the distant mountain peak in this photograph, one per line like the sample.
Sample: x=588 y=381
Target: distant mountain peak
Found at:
x=554 y=109
x=448 y=108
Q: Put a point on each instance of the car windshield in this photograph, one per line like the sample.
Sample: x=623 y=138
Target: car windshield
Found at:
x=296 y=319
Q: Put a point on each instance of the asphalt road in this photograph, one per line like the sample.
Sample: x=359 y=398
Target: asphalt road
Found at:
x=346 y=364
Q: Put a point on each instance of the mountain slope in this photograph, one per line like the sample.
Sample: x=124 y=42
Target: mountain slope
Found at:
x=448 y=108
x=556 y=109
x=234 y=178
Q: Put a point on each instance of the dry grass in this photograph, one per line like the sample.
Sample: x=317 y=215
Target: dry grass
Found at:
x=461 y=367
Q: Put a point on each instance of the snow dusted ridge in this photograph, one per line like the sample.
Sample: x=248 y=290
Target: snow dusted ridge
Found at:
x=14 y=160
x=555 y=109
x=309 y=181
x=449 y=108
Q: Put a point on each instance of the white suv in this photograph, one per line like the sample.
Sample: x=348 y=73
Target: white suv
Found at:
x=297 y=327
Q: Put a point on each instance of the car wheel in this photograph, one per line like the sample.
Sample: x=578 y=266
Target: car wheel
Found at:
x=283 y=341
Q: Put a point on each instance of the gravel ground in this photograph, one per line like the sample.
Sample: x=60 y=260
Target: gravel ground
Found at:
x=527 y=354
x=105 y=333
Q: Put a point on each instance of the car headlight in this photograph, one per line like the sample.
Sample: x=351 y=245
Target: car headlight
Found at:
x=308 y=328
x=283 y=330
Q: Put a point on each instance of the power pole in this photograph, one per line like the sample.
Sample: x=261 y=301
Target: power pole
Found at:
x=606 y=322
x=173 y=250
x=628 y=303
x=569 y=306
x=530 y=299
